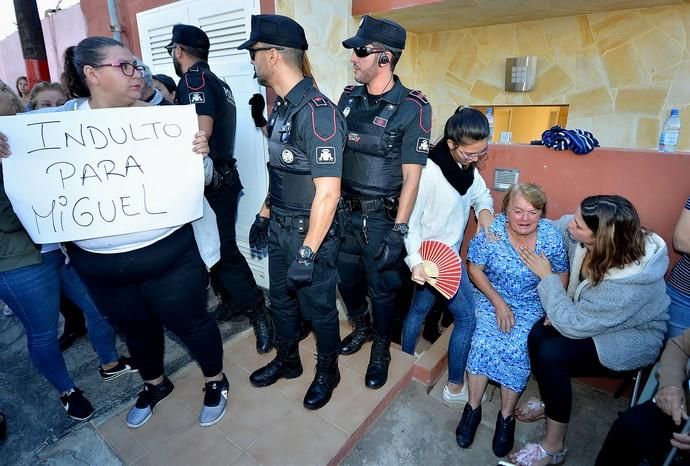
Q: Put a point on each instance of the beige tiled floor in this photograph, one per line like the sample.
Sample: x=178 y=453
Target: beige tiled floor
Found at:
x=263 y=425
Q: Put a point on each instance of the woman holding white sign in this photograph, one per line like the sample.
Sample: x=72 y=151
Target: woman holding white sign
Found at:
x=148 y=280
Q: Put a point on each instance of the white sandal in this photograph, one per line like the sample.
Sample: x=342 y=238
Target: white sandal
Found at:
x=533 y=454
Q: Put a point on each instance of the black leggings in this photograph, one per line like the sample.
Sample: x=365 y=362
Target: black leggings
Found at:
x=555 y=359
x=142 y=291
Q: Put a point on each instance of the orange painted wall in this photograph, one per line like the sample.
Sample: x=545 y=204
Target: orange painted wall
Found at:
x=98 y=20
x=363 y=7
x=657 y=184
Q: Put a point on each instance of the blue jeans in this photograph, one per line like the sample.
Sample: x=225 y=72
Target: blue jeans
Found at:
x=33 y=293
x=462 y=307
x=679 y=311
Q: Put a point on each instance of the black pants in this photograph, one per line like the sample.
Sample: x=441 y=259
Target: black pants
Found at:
x=142 y=291
x=359 y=276
x=232 y=271
x=314 y=303
x=556 y=359
x=641 y=432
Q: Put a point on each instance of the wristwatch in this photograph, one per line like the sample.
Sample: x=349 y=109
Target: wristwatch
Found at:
x=305 y=253
x=401 y=228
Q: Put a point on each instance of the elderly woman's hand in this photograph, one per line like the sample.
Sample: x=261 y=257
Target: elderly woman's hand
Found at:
x=538 y=264
x=4 y=147
x=504 y=316
x=200 y=143
x=671 y=400
x=419 y=275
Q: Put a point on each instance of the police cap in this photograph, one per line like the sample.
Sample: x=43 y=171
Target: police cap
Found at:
x=377 y=30
x=276 y=30
x=191 y=36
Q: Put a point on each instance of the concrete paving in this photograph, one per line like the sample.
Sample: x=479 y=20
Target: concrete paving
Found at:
x=38 y=428
x=419 y=429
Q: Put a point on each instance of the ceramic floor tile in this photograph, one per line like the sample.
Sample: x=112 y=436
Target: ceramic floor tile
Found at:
x=123 y=440
x=359 y=361
x=245 y=460
x=252 y=411
x=301 y=437
x=194 y=445
x=243 y=353
x=352 y=402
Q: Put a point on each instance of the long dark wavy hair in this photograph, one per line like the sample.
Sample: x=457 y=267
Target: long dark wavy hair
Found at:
x=619 y=238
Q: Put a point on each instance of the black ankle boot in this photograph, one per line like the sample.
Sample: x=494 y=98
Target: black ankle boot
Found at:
x=286 y=365
x=361 y=333
x=326 y=379
x=504 y=435
x=380 y=359
x=467 y=428
x=263 y=327
x=227 y=310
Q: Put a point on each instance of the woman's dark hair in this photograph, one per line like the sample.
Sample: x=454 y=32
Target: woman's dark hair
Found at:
x=16 y=84
x=90 y=51
x=466 y=126
x=619 y=239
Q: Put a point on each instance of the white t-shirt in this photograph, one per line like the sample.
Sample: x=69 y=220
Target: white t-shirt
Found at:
x=126 y=242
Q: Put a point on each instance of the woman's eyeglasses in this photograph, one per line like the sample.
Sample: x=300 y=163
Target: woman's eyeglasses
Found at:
x=252 y=52
x=127 y=68
x=473 y=155
x=362 y=52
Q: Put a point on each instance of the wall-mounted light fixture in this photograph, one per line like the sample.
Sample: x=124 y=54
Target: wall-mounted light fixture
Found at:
x=521 y=73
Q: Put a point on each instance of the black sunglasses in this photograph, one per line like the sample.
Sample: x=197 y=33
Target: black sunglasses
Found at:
x=252 y=52
x=362 y=52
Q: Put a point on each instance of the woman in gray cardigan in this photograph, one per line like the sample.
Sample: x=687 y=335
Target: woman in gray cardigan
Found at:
x=611 y=318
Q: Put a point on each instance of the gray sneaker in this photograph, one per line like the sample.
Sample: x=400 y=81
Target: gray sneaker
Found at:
x=215 y=402
x=149 y=397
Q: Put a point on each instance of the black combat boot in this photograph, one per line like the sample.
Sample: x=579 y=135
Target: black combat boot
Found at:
x=227 y=310
x=380 y=359
x=326 y=379
x=286 y=365
x=361 y=333
x=263 y=327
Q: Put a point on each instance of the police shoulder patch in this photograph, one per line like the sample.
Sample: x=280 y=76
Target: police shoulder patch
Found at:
x=197 y=98
x=423 y=145
x=319 y=101
x=325 y=155
x=417 y=95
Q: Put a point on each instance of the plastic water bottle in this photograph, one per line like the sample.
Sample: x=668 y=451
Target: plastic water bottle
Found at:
x=670 y=132
x=490 y=117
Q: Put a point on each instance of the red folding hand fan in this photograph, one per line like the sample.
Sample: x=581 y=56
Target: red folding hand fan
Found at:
x=442 y=264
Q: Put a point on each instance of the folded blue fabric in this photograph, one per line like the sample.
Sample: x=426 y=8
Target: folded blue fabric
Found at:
x=579 y=141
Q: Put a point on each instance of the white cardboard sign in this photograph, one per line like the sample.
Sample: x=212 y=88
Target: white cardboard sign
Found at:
x=88 y=174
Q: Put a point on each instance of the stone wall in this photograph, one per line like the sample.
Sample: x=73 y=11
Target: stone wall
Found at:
x=621 y=72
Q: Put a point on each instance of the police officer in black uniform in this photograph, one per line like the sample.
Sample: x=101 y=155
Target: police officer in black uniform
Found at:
x=215 y=108
x=306 y=134
x=387 y=146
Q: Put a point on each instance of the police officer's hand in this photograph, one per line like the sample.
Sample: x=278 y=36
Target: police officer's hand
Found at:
x=390 y=250
x=258 y=233
x=200 y=143
x=258 y=106
x=299 y=274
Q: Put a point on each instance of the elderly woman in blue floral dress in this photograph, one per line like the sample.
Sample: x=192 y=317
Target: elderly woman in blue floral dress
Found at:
x=507 y=307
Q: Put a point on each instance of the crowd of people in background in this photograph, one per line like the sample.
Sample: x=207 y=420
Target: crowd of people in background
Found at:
x=355 y=188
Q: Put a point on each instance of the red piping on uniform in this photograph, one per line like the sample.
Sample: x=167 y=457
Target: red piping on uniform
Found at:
x=313 y=125
x=203 y=82
x=420 y=115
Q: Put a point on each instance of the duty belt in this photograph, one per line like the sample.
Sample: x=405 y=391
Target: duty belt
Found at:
x=298 y=222
x=364 y=206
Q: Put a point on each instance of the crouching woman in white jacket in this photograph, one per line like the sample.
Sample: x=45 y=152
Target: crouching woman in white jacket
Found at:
x=611 y=318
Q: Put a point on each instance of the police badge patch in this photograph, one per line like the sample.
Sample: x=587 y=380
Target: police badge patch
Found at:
x=325 y=155
x=423 y=145
x=288 y=156
x=197 y=98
